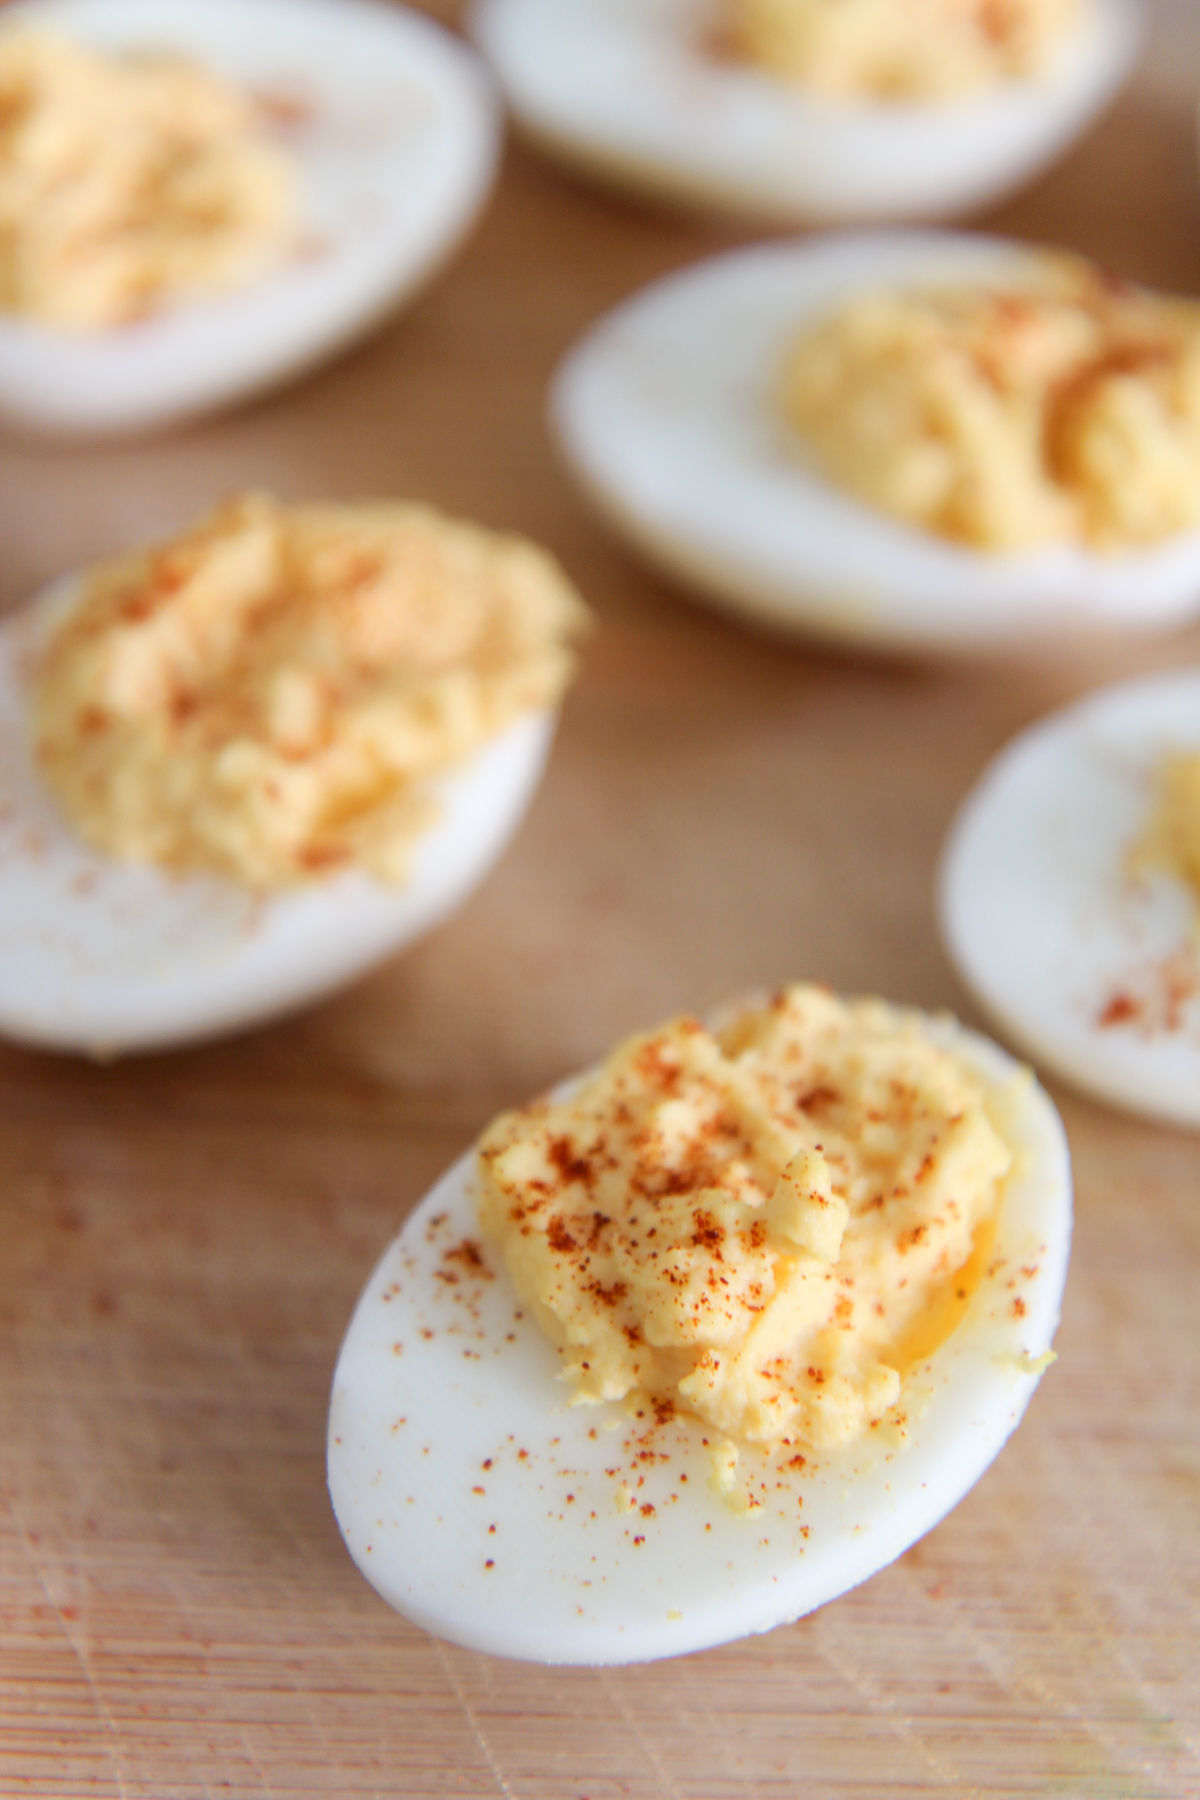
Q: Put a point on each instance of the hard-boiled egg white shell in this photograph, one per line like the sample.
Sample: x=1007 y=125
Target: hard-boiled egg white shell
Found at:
x=488 y=1509
x=667 y=412
x=106 y=957
x=1092 y=970
x=628 y=90
x=395 y=149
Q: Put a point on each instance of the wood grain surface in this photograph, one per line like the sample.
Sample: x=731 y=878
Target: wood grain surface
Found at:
x=182 y=1237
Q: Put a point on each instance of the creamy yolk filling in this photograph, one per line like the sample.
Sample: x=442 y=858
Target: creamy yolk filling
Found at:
x=269 y=694
x=1008 y=417
x=1171 y=842
x=898 y=49
x=128 y=181
x=761 y=1224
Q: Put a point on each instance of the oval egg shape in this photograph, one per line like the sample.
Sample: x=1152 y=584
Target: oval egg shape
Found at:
x=633 y=93
x=394 y=133
x=667 y=414
x=488 y=1509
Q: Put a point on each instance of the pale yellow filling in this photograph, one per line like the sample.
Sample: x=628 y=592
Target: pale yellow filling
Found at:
x=1061 y=408
x=127 y=182
x=1171 y=842
x=760 y=1225
x=899 y=49
x=269 y=694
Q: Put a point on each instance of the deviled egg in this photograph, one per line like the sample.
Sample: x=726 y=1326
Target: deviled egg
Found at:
x=239 y=768
x=647 y=93
x=704 y=1338
x=338 y=152
x=1064 y=914
x=674 y=412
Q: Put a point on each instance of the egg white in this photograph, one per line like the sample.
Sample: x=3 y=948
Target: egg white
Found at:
x=394 y=160
x=624 y=89
x=107 y=957
x=1047 y=925
x=484 y=1506
x=667 y=413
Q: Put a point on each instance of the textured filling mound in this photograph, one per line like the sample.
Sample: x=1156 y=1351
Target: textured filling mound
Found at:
x=762 y=1225
x=127 y=182
x=268 y=694
x=1062 y=409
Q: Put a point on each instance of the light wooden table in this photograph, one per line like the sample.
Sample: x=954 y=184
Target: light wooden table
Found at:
x=182 y=1238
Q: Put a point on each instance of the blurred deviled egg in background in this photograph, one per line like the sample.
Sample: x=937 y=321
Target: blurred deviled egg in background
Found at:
x=1070 y=895
x=240 y=767
x=799 y=111
x=201 y=198
x=913 y=441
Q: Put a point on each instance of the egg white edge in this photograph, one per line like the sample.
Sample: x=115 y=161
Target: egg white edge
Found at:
x=580 y=74
x=1034 y=898
x=967 y=1400
x=666 y=413
x=107 y=958
x=197 y=356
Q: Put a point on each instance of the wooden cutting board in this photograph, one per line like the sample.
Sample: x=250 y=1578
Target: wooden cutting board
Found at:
x=182 y=1237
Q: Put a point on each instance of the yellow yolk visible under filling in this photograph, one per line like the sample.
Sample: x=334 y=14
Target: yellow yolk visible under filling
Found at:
x=127 y=182
x=763 y=1225
x=898 y=49
x=269 y=694
x=1062 y=408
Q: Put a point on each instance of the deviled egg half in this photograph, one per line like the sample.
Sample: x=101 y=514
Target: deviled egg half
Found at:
x=239 y=768
x=279 y=176
x=706 y=1337
x=682 y=415
x=661 y=96
x=1069 y=895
